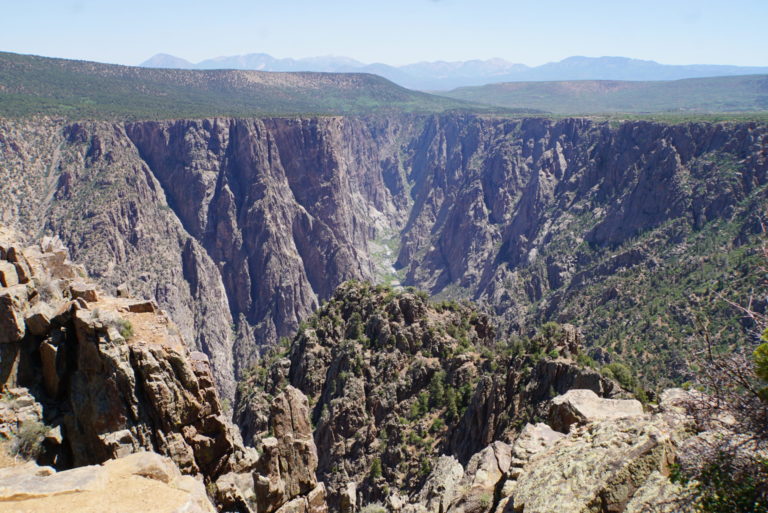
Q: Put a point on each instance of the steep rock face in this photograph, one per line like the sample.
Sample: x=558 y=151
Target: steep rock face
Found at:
x=249 y=224
x=396 y=381
x=289 y=459
x=285 y=207
x=573 y=220
x=112 y=376
x=91 y=188
x=113 y=373
x=488 y=195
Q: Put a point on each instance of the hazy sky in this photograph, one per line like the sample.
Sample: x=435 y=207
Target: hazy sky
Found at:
x=391 y=31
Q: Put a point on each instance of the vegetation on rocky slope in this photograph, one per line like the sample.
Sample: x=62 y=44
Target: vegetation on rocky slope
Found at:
x=32 y=85
x=395 y=381
x=629 y=230
x=689 y=96
x=651 y=311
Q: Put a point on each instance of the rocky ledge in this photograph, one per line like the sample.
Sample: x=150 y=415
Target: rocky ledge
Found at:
x=89 y=378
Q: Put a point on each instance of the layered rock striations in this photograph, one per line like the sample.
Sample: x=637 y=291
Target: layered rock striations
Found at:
x=286 y=208
x=239 y=228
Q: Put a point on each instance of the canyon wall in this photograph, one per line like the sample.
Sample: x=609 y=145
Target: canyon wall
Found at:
x=241 y=227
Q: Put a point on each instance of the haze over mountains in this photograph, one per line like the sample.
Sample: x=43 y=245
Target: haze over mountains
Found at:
x=442 y=75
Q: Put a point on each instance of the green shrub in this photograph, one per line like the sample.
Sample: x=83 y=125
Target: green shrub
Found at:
x=415 y=439
x=375 y=468
x=451 y=408
x=29 y=442
x=761 y=366
x=551 y=331
x=620 y=373
x=125 y=328
x=355 y=329
x=437 y=425
x=719 y=488
x=585 y=360
x=485 y=500
x=437 y=390
x=420 y=407
x=425 y=467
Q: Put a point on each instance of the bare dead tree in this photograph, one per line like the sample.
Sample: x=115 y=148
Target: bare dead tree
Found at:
x=728 y=459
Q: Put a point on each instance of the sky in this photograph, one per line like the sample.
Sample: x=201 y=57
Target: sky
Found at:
x=394 y=32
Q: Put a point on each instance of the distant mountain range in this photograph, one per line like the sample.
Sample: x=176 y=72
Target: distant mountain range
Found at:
x=443 y=76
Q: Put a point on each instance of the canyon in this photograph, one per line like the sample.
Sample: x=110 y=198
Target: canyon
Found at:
x=240 y=228
x=105 y=400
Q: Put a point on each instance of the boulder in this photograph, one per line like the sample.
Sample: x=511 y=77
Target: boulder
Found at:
x=85 y=291
x=123 y=290
x=581 y=406
x=13 y=302
x=483 y=473
x=8 y=275
x=23 y=270
x=348 y=498
x=660 y=495
x=135 y=484
x=18 y=408
x=56 y=262
x=38 y=319
x=441 y=485
x=143 y=307
x=234 y=492
x=679 y=401
x=533 y=439
x=316 y=500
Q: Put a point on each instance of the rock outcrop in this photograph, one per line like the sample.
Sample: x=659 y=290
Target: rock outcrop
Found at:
x=609 y=463
x=133 y=484
x=581 y=406
x=289 y=459
x=599 y=467
x=105 y=377
x=114 y=373
x=409 y=397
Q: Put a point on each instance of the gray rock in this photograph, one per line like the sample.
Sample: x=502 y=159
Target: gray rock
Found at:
x=483 y=474
x=533 y=439
x=441 y=486
x=580 y=406
x=603 y=463
x=348 y=498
